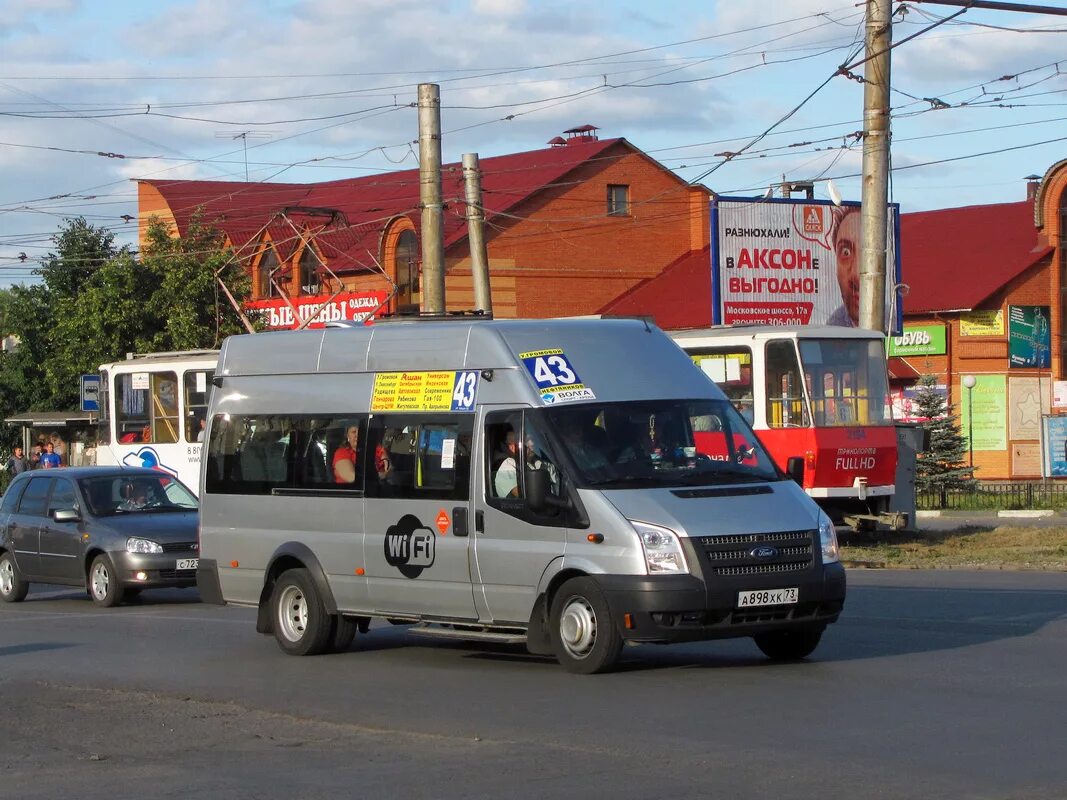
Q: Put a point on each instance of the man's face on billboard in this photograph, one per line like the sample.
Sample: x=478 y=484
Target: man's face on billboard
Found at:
x=846 y=248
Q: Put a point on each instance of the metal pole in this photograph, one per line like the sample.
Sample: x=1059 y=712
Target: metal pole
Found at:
x=472 y=183
x=970 y=425
x=433 y=238
x=875 y=189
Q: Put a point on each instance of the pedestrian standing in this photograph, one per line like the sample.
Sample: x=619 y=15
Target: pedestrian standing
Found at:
x=49 y=458
x=17 y=463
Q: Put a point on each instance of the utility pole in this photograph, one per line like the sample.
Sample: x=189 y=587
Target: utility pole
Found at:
x=433 y=238
x=875 y=189
x=472 y=184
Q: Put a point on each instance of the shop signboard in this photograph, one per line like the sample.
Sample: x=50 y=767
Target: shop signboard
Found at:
x=280 y=314
x=982 y=323
x=1055 y=440
x=784 y=262
x=987 y=406
x=919 y=340
x=1029 y=337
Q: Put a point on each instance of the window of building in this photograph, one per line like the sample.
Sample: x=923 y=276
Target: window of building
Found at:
x=308 y=272
x=268 y=274
x=407 y=267
x=197 y=384
x=618 y=200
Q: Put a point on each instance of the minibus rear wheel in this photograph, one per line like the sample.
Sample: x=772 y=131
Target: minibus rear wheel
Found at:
x=583 y=635
x=791 y=645
x=301 y=624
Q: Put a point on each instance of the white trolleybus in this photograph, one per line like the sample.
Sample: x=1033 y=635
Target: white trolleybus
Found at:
x=152 y=411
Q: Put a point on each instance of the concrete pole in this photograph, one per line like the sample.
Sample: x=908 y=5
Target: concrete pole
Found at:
x=875 y=190
x=472 y=184
x=433 y=234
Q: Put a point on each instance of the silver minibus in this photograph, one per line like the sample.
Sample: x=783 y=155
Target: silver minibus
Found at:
x=572 y=485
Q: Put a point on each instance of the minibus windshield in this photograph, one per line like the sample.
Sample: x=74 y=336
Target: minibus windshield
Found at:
x=639 y=444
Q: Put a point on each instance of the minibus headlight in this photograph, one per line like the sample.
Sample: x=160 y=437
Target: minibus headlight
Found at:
x=663 y=551
x=828 y=539
x=136 y=544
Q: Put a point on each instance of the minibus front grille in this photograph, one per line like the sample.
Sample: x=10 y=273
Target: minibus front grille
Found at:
x=759 y=553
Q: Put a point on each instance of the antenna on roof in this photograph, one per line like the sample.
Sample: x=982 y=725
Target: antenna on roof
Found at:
x=244 y=136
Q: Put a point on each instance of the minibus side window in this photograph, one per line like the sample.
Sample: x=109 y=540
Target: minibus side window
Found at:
x=265 y=454
x=419 y=458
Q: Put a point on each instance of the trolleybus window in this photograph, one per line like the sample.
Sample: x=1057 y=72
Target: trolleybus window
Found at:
x=103 y=435
x=786 y=406
x=197 y=396
x=146 y=407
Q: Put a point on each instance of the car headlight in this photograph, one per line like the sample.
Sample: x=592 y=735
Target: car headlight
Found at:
x=663 y=550
x=828 y=539
x=136 y=544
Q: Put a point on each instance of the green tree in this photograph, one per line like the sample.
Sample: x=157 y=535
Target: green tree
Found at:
x=944 y=463
x=96 y=303
x=193 y=311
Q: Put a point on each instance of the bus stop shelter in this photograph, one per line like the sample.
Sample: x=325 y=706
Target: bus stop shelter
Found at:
x=72 y=432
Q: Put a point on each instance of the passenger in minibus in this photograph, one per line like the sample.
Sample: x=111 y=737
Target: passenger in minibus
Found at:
x=345 y=457
x=506 y=480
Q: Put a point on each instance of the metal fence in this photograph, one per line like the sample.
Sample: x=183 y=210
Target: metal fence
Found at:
x=996 y=497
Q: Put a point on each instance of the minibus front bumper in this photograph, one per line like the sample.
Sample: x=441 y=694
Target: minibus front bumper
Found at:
x=682 y=608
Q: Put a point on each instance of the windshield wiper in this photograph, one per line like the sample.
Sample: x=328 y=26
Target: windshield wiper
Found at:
x=727 y=473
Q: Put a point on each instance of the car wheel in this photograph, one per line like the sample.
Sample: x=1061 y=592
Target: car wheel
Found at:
x=104 y=586
x=301 y=624
x=343 y=631
x=12 y=588
x=789 y=645
x=583 y=635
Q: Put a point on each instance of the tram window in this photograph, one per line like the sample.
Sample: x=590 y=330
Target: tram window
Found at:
x=197 y=396
x=786 y=407
x=731 y=369
x=146 y=407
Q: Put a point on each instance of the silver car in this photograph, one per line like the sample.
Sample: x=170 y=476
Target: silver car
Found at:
x=113 y=530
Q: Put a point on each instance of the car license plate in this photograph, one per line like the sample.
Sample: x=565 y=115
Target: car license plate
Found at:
x=188 y=563
x=767 y=597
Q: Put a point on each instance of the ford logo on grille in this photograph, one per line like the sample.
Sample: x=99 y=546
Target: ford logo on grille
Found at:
x=764 y=553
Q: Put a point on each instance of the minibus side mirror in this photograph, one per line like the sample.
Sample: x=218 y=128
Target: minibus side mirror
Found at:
x=794 y=468
x=538 y=497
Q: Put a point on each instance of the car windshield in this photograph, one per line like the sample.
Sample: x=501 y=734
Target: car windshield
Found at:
x=136 y=494
x=639 y=444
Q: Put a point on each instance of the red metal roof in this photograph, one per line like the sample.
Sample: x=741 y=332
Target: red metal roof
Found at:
x=679 y=297
x=368 y=203
x=954 y=258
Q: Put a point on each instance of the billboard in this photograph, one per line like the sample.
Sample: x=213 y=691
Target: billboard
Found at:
x=987 y=405
x=1029 y=337
x=785 y=262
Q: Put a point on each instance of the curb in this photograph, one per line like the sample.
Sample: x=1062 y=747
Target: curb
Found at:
x=1027 y=514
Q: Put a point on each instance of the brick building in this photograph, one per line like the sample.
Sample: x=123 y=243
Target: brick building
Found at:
x=985 y=302
x=568 y=229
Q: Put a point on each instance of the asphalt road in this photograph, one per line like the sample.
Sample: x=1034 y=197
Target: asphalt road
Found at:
x=933 y=685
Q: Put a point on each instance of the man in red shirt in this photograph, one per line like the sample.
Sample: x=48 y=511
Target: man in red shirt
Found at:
x=345 y=457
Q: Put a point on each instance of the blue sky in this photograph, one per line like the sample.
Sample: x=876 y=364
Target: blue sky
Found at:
x=322 y=90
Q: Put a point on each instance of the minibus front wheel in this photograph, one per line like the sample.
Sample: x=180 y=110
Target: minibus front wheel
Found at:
x=584 y=638
x=301 y=624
